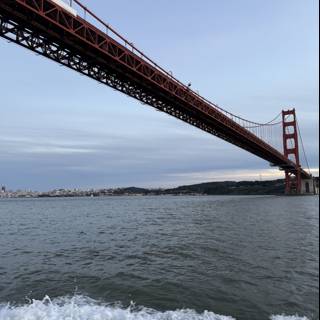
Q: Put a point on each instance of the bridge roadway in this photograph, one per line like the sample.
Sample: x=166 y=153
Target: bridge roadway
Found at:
x=50 y=30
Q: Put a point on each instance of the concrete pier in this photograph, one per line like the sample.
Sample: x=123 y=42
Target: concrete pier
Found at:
x=309 y=186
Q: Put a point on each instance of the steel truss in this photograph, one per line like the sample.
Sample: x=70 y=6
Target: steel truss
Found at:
x=39 y=44
x=29 y=39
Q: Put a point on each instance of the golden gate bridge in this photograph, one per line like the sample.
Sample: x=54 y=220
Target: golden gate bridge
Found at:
x=72 y=35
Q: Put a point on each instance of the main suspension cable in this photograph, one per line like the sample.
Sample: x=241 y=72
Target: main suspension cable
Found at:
x=270 y=123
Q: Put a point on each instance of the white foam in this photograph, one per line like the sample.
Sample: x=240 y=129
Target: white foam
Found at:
x=80 y=308
x=83 y=308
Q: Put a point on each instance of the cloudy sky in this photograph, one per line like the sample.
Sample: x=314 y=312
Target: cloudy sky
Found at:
x=60 y=129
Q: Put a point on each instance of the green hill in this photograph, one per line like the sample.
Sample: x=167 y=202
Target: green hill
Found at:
x=232 y=188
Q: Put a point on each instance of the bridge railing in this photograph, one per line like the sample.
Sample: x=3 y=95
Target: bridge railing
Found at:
x=93 y=19
x=89 y=16
x=258 y=129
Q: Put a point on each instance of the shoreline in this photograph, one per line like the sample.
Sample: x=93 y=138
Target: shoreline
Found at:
x=221 y=188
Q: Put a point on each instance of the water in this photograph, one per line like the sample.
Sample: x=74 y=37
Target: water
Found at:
x=159 y=258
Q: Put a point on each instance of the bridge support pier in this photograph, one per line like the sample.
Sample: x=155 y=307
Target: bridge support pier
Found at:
x=308 y=186
x=293 y=183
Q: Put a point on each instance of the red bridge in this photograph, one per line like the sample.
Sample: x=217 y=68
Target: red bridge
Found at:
x=62 y=32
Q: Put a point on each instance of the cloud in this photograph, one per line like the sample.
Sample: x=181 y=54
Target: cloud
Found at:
x=57 y=150
x=27 y=146
x=76 y=158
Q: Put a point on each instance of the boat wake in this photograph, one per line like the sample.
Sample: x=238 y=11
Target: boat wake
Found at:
x=84 y=308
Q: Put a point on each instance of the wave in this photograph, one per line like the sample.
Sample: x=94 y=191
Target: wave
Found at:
x=84 y=308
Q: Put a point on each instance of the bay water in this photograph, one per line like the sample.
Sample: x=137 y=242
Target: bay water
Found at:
x=162 y=258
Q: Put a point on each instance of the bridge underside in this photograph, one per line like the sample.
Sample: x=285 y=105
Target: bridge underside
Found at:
x=21 y=23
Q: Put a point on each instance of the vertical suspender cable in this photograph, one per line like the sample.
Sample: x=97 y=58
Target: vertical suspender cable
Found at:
x=303 y=149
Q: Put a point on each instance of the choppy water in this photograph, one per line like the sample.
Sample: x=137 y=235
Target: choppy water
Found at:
x=160 y=258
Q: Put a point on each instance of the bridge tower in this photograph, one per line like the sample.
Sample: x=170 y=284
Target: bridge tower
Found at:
x=291 y=151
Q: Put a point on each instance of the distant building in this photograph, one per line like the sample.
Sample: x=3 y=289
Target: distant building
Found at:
x=3 y=189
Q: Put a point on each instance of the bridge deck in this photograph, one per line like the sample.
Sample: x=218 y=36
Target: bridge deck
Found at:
x=47 y=28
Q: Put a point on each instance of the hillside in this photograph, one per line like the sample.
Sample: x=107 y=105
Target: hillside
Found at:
x=232 y=188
